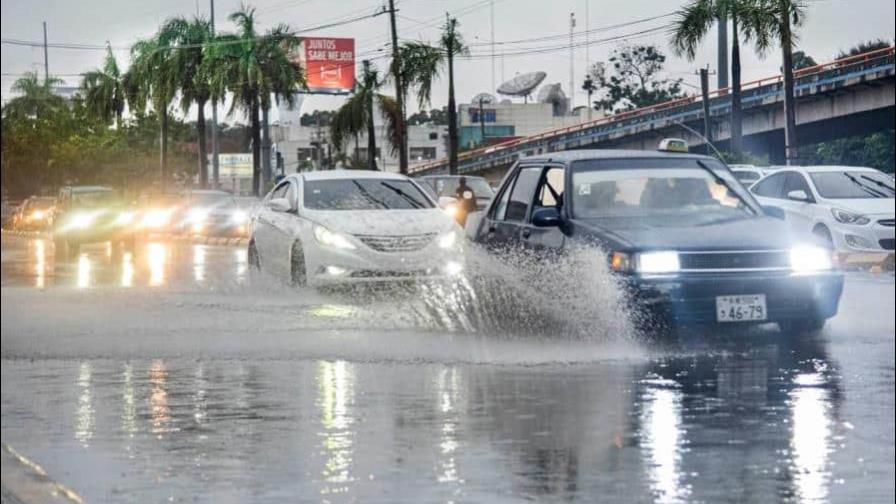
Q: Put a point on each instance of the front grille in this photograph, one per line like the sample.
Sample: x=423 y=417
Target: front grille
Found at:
x=888 y=244
x=747 y=260
x=409 y=243
x=887 y=222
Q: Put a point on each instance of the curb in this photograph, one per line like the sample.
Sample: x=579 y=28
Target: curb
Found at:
x=26 y=481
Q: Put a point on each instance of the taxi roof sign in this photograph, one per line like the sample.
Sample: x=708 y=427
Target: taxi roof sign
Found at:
x=673 y=145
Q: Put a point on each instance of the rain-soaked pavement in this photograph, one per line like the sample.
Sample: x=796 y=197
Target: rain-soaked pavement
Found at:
x=167 y=375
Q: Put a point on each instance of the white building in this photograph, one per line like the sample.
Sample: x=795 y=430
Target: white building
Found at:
x=507 y=120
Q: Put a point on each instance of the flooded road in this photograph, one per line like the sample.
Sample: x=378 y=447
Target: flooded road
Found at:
x=167 y=375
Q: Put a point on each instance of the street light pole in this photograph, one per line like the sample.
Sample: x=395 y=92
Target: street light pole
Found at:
x=215 y=172
x=46 y=58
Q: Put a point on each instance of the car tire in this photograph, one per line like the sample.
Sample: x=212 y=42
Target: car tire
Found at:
x=252 y=257
x=824 y=234
x=298 y=276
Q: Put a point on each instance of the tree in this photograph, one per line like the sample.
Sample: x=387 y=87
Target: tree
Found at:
x=637 y=79
x=692 y=25
x=802 y=60
x=152 y=78
x=355 y=116
x=252 y=67
x=453 y=45
x=771 y=22
x=191 y=37
x=104 y=91
x=875 y=150
x=863 y=47
x=35 y=99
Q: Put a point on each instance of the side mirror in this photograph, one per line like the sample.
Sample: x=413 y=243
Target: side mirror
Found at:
x=775 y=212
x=280 y=205
x=546 y=217
x=446 y=201
x=798 y=195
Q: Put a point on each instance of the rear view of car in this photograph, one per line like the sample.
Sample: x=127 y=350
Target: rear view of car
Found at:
x=34 y=214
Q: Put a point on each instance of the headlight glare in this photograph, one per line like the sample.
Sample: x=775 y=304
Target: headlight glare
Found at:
x=197 y=215
x=658 y=262
x=809 y=258
x=845 y=217
x=330 y=239
x=620 y=262
x=447 y=241
x=81 y=220
x=124 y=218
x=239 y=217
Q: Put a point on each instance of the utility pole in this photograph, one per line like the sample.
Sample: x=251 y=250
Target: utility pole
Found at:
x=722 y=62
x=371 y=130
x=493 y=44
x=46 y=58
x=481 y=123
x=791 y=152
x=704 y=90
x=399 y=94
x=452 y=105
x=572 y=80
x=587 y=42
x=215 y=181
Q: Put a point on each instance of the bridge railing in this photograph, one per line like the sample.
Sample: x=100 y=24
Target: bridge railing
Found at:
x=871 y=58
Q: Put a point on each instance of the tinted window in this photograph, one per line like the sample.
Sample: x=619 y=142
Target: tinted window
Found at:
x=364 y=194
x=770 y=187
x=854 y=184
x=796 y=182
x=501 y=207
x=523 y=191
x=746 y=176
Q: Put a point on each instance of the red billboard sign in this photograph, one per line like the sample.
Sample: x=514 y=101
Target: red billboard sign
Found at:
x=329 y=64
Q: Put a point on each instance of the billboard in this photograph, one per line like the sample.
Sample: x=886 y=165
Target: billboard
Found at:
x=329 y=64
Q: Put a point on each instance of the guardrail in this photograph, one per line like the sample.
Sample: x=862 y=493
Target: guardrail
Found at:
x=752 y=91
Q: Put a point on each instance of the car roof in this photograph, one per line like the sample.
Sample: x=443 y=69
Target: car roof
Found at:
x=451 y=177
x=580 y=154
x=830 y=168
x=350 y=174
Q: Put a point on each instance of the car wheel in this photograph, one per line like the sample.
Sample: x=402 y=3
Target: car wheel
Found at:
x=297 y=274
x=252 y=257
x=824 y=234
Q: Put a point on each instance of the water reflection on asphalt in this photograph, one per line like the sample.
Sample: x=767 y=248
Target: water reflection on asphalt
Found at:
x=761 y=418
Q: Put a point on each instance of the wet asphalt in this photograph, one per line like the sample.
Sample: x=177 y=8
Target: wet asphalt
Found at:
x=167 y=374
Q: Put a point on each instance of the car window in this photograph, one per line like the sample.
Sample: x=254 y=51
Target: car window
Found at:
x=280 y=191
x=796 y=182
x=745 y=176
x=364 y=194
x=770 y=187
x=550 y=189
x=522 y=193
x=501 y=207
x=853 y=184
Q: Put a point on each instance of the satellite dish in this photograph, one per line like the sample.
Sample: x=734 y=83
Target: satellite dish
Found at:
x=522 y=85
x=553 y=94
x=487 y=99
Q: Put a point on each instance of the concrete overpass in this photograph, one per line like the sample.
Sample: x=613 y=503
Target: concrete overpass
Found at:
x=851 y=96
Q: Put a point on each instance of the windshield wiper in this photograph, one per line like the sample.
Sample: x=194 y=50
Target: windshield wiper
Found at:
x=879 y=183
x=873 y=192
x=370 y=196
x=410 y=199
x=722 y=182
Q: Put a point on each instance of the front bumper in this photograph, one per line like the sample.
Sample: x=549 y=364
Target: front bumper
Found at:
x=872 y=237
x=691 y=298
x=328 y=266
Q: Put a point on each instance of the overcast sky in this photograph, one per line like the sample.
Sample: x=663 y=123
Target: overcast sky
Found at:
x=831 y=25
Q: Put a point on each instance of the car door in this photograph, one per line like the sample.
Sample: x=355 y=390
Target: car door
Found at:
x=799 y=213
x=282 y=227
x=504 y=222
x=548 y=194
x=264 y=230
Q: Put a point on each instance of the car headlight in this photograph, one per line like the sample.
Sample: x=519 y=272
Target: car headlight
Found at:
x=658 y=262
x=845 y=217
x=447 y=240
x=330 y=239
x=621 y=262
x=451 y=210
x=38 y=214
x=156 y=218
x=809 y=258
x=81 y=220
x=239 y=217
x=124 y=218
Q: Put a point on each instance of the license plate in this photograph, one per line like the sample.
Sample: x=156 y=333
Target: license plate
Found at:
x=741 y=308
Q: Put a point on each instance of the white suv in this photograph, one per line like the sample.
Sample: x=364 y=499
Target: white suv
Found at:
x=851 y=208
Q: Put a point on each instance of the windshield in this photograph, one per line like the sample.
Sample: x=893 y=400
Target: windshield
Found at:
x=853 y=184
x=448 y=186
x=671 y=191
x=94 y=198
x=364 y=194
x=207 y=200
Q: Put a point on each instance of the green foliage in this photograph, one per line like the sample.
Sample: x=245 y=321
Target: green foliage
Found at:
x=317 y=118
x=802 y=60
x=637 y=79
x=874 y=150
x=438 y=117
x=863 y=47
x=745 y=158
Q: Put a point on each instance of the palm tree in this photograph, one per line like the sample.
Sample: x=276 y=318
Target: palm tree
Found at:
x=770 y=22
x=152 y=78
x=36 y=98
x=692 y=25
x=252 y=67
x=104 y=92
x=356 y=115
x=191 y=37
x=453 y=45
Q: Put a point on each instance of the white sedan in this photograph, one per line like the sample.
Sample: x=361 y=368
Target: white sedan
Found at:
x=850 y=208
x=331 y=227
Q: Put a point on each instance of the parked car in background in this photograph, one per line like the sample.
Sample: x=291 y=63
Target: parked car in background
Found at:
x=7 y=209
x=850 y=208
x=748 y=174
x=34 y=214
x=207 y=212
x=348 y=226
x=686 y=240
x=91 y=214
